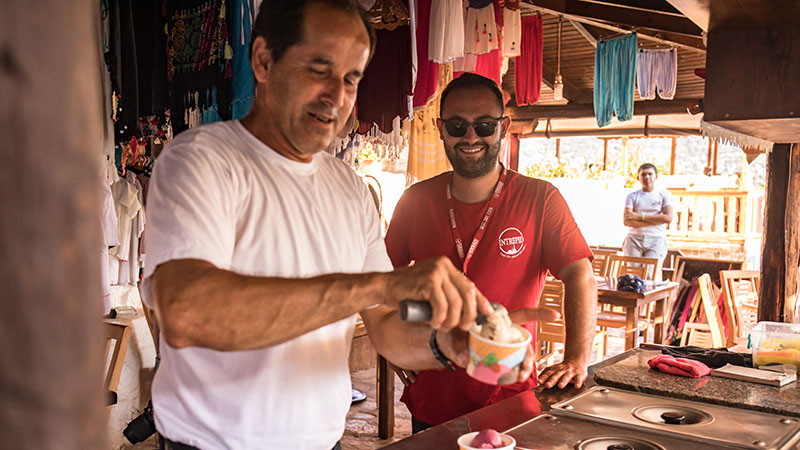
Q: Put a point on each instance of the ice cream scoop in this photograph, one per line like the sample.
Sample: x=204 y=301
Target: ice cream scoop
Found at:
x=488 y=438
x=422 y=311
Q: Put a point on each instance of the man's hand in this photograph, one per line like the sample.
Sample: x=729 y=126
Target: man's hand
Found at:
x=632 y=215
x=563 y=373
x=521 y=316
x=454 y=298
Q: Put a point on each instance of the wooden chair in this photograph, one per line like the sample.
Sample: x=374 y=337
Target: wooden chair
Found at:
x=549 y=333
x=117 y=337
x=600 y=261
x=644 y=268
x=710 y=334
x=669 y=267
x=740 y=290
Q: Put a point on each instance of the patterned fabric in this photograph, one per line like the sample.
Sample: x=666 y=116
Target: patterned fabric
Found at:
x=614 y=78
x=198 y=58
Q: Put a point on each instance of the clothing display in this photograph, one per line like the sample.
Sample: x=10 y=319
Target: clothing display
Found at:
x=531 y=231
x=244 y=14
x=427 y=80
x=108 y=226
x=220 y=195
x=198 y=59
x=657 y=69
x=512 y=32
x=614 y=78
x=528 y=65
x=124 y=261
x=383 y=91
x=480 y=30
x=426 y=156
x=446 y=38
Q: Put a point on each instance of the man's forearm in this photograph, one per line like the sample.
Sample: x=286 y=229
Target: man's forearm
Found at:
x=200 y=305
x=580 y=315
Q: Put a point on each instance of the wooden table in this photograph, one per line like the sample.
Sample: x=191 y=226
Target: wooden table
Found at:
x=654 y=291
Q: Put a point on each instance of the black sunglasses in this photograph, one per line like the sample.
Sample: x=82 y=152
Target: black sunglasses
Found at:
x=457 y=127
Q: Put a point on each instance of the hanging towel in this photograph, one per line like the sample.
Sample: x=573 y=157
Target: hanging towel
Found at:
x=480 y=30
x=446 y=38
x=614 y=78
x=657 y=69
x=427 y=71
x=528 y=65
x=512 y=31
x=243 y=82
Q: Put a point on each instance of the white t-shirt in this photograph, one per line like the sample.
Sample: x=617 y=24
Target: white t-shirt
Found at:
x=221 y=195
x=648 y=203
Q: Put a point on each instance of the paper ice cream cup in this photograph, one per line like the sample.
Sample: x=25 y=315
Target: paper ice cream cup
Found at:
x=493 y=362
x=465 y=440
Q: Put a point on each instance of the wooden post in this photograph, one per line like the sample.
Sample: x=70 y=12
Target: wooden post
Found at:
x=558 y=149
x=673 y=155
x=792 y=235
x=605 y=153
x=624 y=142
x=385 y=399
x=710 y=154
x=714 y=162
x=51 y=393
x=779 y=249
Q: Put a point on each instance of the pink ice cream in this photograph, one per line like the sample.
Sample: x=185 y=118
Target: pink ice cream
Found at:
x=488 y=438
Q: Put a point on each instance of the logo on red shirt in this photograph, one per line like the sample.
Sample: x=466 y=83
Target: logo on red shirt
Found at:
x=512 y=242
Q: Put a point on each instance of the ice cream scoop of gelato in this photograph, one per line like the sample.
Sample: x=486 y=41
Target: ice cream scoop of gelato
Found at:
x=498 y=327
x=488 y=438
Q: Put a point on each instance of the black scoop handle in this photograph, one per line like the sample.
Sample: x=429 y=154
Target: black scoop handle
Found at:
x=415 y=311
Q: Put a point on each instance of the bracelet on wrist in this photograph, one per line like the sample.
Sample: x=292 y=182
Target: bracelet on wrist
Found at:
x=437 y=352
x=642 y=217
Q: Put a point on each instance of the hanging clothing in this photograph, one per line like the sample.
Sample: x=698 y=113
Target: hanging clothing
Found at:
x=198 y=57
x=614 y=78
x=108 y=225
x=512 y=31
x=480 y=30
x=426 y=156
x=382 y=93
x=427 y=80
x=528 y=65
x=244 y=13
x=128 y=203
x=446 y=37
x=615 y=68
x=657 y=70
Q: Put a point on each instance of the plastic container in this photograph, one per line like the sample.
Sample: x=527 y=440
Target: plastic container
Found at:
x=775 y=343
x=465 y=440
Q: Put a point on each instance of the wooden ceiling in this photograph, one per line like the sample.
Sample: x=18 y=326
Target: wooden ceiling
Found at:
x=657 y=23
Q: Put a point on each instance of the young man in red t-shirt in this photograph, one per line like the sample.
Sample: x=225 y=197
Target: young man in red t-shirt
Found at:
x=505 y=231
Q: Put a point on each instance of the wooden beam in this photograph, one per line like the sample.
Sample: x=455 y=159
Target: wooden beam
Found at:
x=586 y=110
x=624 y=15
x=693 y=43
x=710 y=154
x=714 y=162
x=696 y=10
x=590 y=38
x=605 y=153
x=774 y=256
x=673 y=155
x=385 y=399
x=51 y=366
x=614 y=133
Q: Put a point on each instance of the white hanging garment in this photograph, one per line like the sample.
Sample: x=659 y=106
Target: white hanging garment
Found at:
x=657 y=70
x=446 y=35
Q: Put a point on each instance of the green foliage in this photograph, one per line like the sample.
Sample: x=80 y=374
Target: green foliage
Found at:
x=548 y=169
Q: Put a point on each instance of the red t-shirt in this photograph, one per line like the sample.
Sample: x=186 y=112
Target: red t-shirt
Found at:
x=530 y=232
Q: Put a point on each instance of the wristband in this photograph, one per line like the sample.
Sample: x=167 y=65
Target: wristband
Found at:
x=437 y=353
x=642 y=217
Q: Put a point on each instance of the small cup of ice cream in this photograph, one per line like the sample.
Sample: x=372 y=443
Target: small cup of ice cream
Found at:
x=478 y=440
x=496 y=349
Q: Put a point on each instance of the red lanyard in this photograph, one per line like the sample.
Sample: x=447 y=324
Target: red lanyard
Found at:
x=482 y=228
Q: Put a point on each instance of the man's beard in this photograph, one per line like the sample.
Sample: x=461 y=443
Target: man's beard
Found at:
x=467 y=167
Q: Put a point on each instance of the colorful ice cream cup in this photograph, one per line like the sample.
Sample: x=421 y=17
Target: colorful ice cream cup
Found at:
x=496 y=362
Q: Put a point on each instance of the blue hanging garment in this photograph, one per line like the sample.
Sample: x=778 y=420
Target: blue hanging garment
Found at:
x=614 y=78
x=657 y=68
x=243 y=83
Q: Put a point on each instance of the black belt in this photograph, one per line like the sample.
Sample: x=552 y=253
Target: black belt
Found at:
x=166 y=444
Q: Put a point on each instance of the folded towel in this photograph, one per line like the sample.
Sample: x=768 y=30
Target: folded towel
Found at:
x=679 y=366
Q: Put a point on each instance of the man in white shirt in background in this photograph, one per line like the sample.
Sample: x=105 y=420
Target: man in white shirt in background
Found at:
x=647 y=213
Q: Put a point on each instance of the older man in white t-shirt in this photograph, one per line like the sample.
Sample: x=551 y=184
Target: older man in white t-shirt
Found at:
x=647 y=213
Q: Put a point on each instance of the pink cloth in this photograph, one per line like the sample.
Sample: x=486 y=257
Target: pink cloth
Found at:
x=679 y=366
x=528 y=65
